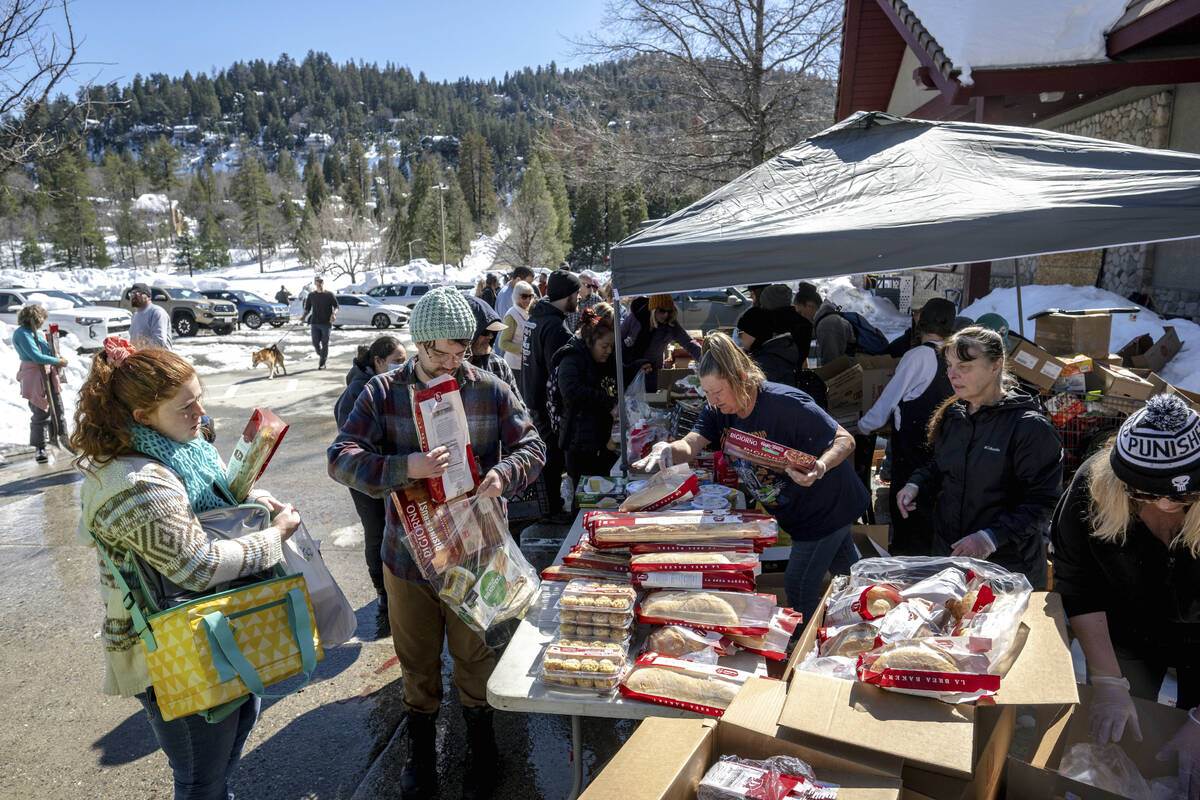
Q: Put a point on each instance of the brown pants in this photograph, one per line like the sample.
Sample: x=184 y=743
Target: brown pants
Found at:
x=419 y=622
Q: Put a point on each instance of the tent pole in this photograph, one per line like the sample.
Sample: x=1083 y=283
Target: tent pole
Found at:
x=623 y=461
x=1020 y=308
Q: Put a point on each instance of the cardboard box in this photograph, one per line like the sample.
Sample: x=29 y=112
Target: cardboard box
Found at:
x=665 y=759
x=1031 y=363
x=843 y=384
x=1144 y=352
x=1038 y=778
x=1119 y=382
x=949 y=751
x=876 y=372
x=1069 y=334
x=871 y=540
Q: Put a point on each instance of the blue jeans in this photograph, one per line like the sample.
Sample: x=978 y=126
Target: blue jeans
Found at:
x=202 y=755
x=320 y=340
x=808 y=563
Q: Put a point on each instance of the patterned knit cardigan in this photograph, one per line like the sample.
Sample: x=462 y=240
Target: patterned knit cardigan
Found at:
x=135 y=503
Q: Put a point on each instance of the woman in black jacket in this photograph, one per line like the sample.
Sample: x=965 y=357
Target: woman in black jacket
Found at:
x=1127 y=564
x=587 y=385
x=772 y=349
x=996 y=471
x=384 y=354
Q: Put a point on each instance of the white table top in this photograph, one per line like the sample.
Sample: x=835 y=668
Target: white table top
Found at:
x=514 y=685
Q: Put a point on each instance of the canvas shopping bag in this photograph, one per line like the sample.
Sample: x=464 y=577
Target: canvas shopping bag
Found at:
x=334 y=614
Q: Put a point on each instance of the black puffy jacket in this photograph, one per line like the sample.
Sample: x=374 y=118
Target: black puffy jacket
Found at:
x=778 y=358
x=356 y=379
x=1151 y=594
x=589 y=393
x=545 y=333
x=999 y=469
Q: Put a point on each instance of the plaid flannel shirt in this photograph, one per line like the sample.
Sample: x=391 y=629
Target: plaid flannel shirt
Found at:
x=371 y=451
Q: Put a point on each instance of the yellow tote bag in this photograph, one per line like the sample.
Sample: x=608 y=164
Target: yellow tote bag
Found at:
x=220 y=647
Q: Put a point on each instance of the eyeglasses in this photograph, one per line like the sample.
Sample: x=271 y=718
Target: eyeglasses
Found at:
x=523 y=296
x=1186 y=498
x=438 y=355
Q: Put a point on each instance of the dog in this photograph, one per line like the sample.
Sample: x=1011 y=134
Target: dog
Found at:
x=271 y=356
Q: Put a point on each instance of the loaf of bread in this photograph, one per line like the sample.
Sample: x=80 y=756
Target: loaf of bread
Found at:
x=914 y=655
x=704 y=606
x=671 y=684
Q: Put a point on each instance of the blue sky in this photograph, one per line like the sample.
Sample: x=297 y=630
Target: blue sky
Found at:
x=447 y=39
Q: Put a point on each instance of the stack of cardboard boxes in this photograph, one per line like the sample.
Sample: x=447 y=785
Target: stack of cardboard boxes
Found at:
x=853 y=386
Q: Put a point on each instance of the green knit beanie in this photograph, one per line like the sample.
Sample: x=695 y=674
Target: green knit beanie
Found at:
x=442 y=313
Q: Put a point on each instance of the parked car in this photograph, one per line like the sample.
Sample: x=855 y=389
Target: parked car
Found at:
x=360 y=309
x=252 y=309
x=709 y=309
x=188 y=309
x=400 y=294
x=88 y=322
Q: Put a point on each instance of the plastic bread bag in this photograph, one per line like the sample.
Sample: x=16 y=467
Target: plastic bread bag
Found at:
x=904 y=571
x=856 y=603
x=764 y=452
x=737 y=613
x=774 y=778
x=252 y=452
x=675 y=484
x=913 y=619
x=463 y=548
x=730 y=571
x=710 y=546
x=561 y=573
x=943 y=668
x=589 y=558
x=1107 y=767
x=842 y=668
x=441 y=421
x=704 y=688
x=717 y=581
x=947 y=586
x=619 y=529
x=847 y=641
x=676 y=641
x=774 y=643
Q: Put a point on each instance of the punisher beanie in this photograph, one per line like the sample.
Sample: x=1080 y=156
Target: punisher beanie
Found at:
x=1158 y=448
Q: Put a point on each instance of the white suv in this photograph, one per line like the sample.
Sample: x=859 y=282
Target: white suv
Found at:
x=71 y=312
x=400 y=294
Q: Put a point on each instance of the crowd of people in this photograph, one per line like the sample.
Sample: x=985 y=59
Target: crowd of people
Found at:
x=976 y=469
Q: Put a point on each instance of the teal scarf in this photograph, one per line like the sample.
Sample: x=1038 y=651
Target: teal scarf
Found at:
x=196 y=462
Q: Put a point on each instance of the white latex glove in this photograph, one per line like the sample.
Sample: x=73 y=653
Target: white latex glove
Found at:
x=1112 y=710
x=976 y=545
x=659 y=458
x=1186 y=745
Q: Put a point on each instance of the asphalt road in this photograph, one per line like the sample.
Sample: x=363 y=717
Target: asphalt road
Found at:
x=340 y=737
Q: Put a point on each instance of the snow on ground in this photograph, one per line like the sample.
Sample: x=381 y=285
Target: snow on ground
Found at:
x=1018 y=32
x=154 y=203
x=1182 y=371
x=845 y=291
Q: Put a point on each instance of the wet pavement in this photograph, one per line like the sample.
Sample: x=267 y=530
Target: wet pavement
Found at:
x=340 y=737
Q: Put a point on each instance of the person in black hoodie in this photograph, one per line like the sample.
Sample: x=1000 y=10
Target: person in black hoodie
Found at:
x=773 y=351
x=383 y=354
x=1127 y=564
x=545 y=334
x=996 y=471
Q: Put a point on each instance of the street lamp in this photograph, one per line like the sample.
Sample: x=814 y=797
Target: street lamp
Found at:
x=410 y=244
x=441 y=187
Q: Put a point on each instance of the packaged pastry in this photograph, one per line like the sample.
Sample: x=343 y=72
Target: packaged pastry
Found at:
x=603 y=596
x=675 y=484
x=582 y=555
x=562 y=573
x=703 y=688
x=931 y=667
x=764 y=452
x=609 y=529
x=856 y=603
x=847 y=641
x=253 y=451
x=677 y=641
x=774 y=643
x=774 y=778
x=708 y=581
x=441 y=421
x=708 y=546
x=709 y=569
x=724 y=612
x=621 y=633
x=581 y=669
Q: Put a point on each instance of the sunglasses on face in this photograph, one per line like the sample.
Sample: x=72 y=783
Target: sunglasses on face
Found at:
x=1186 y=498
x=526 y=295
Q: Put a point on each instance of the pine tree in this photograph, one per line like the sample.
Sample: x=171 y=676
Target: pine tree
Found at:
x=634 y=207
x=186 y=250
x=214 y=248
x=130 y=230
x=557 y=187
x=533 y=237
x=315 y=190
x=424 y=176
x=614 y=218
x=477 y=177
x=308 y=240
x=285 y=168
x=32 y=256
x=77 y=239
x=357 y=191
x=253 y=195
x=396 y=245
x=587 y=230
x=160 y=161
x=332 y=169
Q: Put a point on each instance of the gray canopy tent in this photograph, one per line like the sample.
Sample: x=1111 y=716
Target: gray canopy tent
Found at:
x=878 y=193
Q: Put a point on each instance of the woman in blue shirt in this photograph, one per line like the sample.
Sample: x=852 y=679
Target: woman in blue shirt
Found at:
x=815 y=508
x=34 y=352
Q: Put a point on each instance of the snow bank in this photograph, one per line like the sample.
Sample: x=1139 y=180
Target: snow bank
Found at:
x=1018 y=32
x=1183 y=370
x=845 y=292
x=153 y=203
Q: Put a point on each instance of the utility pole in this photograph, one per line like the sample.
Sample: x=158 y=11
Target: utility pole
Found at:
x=441 y=187
x=410 y=244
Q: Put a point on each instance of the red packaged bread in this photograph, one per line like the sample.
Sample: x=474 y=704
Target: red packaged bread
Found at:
x=610 y=529
x=723 y=612
x=675 y=484
x=703 y=688
x=441 y=421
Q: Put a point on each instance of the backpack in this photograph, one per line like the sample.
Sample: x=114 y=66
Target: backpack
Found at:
x=867 y=337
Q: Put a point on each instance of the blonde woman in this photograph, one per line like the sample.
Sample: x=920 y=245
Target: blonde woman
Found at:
x=1127 y=564
x=513 y=335
x=815 y=508
x=996 y=471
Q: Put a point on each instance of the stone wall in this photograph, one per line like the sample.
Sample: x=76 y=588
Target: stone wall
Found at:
x=1145 y=122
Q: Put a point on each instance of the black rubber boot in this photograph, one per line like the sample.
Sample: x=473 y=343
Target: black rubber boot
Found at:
x=483 y=771
x=419 y=778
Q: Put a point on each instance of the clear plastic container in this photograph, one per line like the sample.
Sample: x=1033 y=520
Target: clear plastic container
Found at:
x=580 y=681
x=620 y=634
x=603 y=597
x=593 y=667
x=712 y=502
